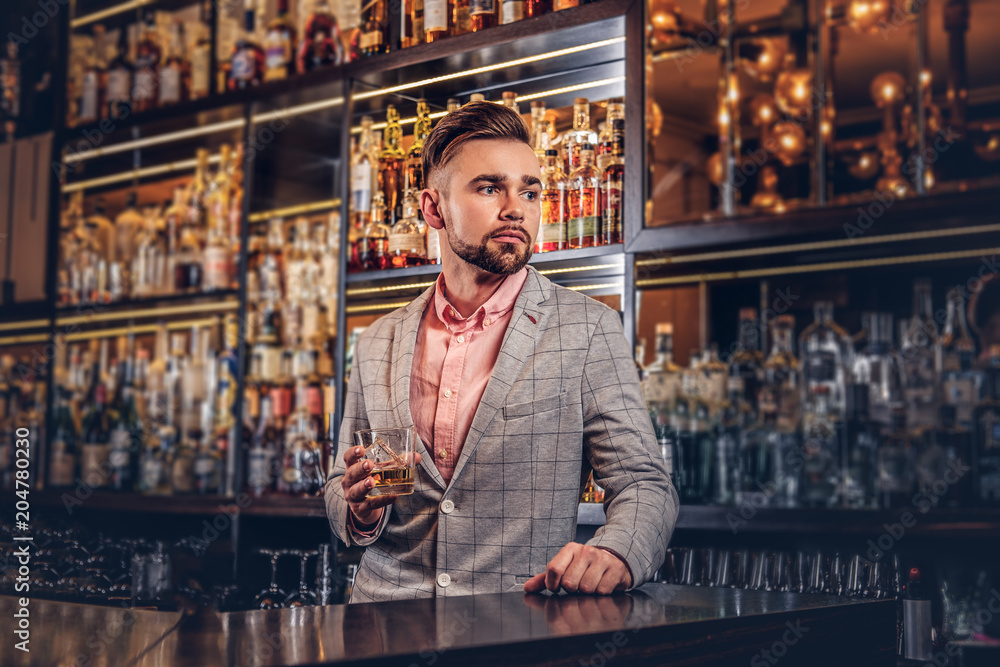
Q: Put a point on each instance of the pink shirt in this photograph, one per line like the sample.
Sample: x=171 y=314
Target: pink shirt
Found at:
x=452 y=361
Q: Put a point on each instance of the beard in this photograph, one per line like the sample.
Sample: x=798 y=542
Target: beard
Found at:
x=502 y=259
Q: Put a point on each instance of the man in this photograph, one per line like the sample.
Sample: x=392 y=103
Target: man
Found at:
x=517 y=388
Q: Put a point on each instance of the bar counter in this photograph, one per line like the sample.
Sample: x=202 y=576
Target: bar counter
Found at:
x=657 y=624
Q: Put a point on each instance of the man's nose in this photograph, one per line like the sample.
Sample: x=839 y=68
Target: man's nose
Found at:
x=513 y=208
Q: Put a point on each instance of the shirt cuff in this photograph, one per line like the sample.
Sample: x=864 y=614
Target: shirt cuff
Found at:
x=352 y=524
x=622 y=559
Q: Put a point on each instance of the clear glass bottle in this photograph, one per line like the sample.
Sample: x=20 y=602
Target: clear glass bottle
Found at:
x=961 y=382
x=407 y=241
x=584 y=223
x=822 y=456
x=539 y=127
x=896 y=469
x=147 y=61
x=175 y=74
x=413 y=171
x=555 y=205
x=780 y=391
x=880 y=368
x=580 y=135
x=363 y=166
x=373 y=245
x=65 y=445
x=861 y=442
x=921 y=363
x=696 y=451
x=118 y=91
x=91 y=105
x=390 y=164
x=746 y=371
x=438 y=20
x=663 y=377
x=201 y=61
x=825 y=349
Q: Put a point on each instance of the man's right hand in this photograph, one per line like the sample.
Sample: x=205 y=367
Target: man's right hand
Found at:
x=357 y=482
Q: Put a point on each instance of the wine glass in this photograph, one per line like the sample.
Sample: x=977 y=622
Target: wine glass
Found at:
x=302 y=597
x=272 y=596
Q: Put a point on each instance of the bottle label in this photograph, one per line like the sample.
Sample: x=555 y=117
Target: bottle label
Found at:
x=204 y=466
x=92 y=462
x=612 y=197
x=258 y=462
x=406 y=244
x=435 y=15
x=462 y=19
x=243 y=65
x=118 y=85
x=552 y=233
x=270 y=363
x=314 y=401
x=118 y=459
x=291 y=476
x=371 y=40
x=277 y=54
x=281 y=401
x=88 y=99
x=477 y=7
x=585 y=227
x=361 y=188
x=511 y=11
x=199 y=72
x=144 y=85
x=170 y=85
x=63 y=466
x=660 y=388
x=217 y=267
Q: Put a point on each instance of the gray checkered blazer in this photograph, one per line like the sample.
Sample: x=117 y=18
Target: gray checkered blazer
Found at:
x=563 y=399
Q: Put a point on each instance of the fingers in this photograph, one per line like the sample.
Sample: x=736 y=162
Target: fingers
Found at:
x=356 y=473
x=353 y=454
x=536 y=584
x=592 y=577
x=573 y=577
x=557 y=566
x=356 y=493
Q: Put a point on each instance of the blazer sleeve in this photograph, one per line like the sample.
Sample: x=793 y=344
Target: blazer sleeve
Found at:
x=337 y=510
x=640 y=501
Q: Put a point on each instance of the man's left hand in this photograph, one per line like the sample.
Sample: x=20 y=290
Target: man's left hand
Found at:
x=580 y=568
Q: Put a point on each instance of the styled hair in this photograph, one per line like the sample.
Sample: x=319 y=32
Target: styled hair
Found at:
x=477 y=120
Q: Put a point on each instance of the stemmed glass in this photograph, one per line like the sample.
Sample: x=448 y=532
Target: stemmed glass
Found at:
x=302 y=597
x=272 y=596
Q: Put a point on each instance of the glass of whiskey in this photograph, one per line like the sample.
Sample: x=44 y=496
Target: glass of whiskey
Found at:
x=391 y=451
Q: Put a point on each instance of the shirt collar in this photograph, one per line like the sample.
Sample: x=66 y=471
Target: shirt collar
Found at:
x=498 y=305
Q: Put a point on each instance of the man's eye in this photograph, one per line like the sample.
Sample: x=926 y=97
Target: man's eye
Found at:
x=488 y=189
x=531 y=195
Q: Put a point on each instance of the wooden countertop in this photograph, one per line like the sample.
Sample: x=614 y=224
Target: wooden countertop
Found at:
x=656 y=624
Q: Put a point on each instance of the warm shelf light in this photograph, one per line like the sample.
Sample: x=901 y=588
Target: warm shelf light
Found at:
x=137 y=330
x=164 y=311
x=110 y=11
x=146 y=142
x=27 y=338
x=24 y=324
x=301 y=209
x=309 y=107
x=132 y=174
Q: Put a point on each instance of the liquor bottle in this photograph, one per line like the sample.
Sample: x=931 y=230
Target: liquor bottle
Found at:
x=715 y=380
x=260 y=455
x=64 y=450
x=118 y=91
x=363 y=165
x=390 y=163
x=175 y=74
x=663 y=376
x=461 y=17
x=944 y=463
x=120 y=236
x=375 y=33
x=279 y=46
x=825 y=348
x=407 y=241
x=190 y=260
x=821 y=476
x=268 y=348
x=329 y=434
x=219 y=251
x=413 y=170
x=580 y=135
x=127 y=430
x=746 y=372
x=482 y=14
x=511 y=11
x=611 y=134
x=207 y=467
x=149 y=261
x=10 y=90
x=696 y=451
x=861 y=443
x=438 y=20
x=880 y=368
x=91 y=107
x=95 y=434
x=146 y=80
x=961 y=382
x=726 y=438
x=584 y=224
x=412 y=24
x=226 y=375
x=201 y=62
x=612 y=189
x=534 y=8
x=780 y=391
x=247 y=60
x=986 y=420
x=920 y=363
x=555 y=206
x=539 y=131
x=896 y=464
x=182 y=463
x=373 y=245
x=321 y=39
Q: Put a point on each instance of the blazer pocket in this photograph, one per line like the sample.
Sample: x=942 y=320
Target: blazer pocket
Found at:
x=534 y=407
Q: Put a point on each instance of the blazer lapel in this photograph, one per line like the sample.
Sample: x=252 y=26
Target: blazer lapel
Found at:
x=518 y=346
x=404 y=341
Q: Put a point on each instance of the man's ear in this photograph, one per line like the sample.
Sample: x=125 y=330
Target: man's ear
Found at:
x=429 y=205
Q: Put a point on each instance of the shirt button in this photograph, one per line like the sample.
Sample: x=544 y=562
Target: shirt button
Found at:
x=461 y=339
x=448 y=506
x=487 y=322
x=444 y=580
x=453 y=313
x=443 y=453
x=447 y=393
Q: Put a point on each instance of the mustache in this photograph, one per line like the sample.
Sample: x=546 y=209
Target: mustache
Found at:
x=504 y=231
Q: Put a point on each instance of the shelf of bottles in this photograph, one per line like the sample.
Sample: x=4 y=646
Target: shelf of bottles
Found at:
x=133 y=58
x=580 y=150
x=860 y=103
x=902 y=414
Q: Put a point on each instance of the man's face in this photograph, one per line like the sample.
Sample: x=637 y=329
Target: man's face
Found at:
x=489 y=204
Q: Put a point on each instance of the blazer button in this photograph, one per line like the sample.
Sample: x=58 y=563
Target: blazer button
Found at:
x=443 y=580
x=448 y=506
